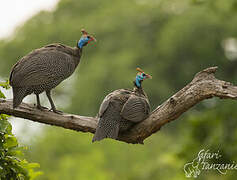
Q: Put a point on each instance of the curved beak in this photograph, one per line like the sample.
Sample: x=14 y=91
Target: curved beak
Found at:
x=92 y=39
x=148 y=76
x=85 y=33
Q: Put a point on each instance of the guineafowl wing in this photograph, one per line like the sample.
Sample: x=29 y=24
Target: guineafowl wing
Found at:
x=108 y=127
x=109 y=115
x=121 y=94
x=135 y=109
x=109 y=119
x=41 y=67
x=104 y=105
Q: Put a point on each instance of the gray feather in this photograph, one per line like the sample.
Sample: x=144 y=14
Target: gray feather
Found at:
x=119 y=111
x=43 y=69
x=135 y=109
x=108 y=126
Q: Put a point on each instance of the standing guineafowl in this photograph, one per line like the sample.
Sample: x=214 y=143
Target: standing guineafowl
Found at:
x=43 y=69
x=122 y=109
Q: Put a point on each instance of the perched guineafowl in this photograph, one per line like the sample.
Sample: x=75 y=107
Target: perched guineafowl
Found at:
x=121 y=109
x=43 y=69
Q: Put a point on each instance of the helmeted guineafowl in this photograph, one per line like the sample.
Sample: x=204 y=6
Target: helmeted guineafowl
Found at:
x=43 y=69
x=122 y=109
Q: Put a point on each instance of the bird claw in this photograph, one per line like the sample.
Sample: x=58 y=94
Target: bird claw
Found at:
x=56 y=111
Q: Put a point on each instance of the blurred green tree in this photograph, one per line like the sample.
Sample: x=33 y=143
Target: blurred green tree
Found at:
x=172 y=40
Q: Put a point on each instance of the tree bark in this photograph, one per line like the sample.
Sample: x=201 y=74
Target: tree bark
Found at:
x=203 y=86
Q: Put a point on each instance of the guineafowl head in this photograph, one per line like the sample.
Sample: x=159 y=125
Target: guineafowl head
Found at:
x=85 y=39
x=140 y=77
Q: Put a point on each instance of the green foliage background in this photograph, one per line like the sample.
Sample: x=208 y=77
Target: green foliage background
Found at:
x=172 y=40
x=12 y=165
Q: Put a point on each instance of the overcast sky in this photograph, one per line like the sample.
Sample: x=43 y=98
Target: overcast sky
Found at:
x=15 y=12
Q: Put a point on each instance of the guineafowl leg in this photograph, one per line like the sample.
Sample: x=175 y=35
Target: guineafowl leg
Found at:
x=38 y=103
x=52 y=104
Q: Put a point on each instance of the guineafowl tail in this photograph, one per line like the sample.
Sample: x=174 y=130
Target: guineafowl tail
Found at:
x=107 y=128
x=18 y=95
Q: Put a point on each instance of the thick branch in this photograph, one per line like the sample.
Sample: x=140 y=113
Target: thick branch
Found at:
x=203 y=86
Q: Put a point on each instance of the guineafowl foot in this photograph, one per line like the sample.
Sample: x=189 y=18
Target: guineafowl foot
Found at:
x=53 y=108
x=56 y=111
x=38 y=106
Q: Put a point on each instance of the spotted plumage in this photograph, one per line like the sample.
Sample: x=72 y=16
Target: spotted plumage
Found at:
x=122 y=109
x=43 y=69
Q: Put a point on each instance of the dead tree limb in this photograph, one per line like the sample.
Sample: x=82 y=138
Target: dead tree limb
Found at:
x=203 y=86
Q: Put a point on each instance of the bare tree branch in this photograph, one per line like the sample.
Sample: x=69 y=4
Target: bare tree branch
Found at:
x=203 y=86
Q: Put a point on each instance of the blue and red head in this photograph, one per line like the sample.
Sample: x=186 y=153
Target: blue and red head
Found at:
x=140 y=77
x=85 y=39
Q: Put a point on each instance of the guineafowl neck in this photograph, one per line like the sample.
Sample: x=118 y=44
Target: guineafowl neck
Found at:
x=78 y=53
x=140 y=91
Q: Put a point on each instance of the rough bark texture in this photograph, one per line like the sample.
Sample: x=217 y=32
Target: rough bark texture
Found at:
x=203 y=86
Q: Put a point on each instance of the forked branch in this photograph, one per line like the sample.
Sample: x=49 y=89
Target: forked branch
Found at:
x=203 y=86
